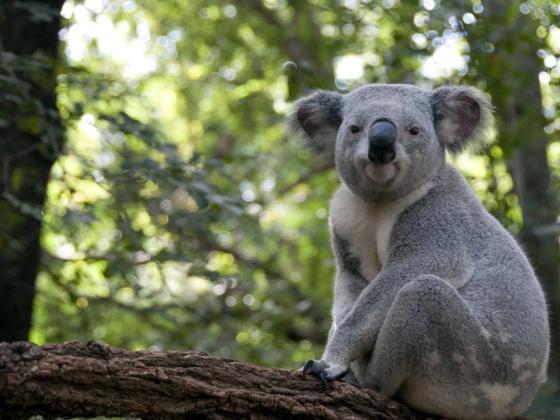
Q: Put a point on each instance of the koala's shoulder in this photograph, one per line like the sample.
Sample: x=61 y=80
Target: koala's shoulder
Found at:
x=447 y=211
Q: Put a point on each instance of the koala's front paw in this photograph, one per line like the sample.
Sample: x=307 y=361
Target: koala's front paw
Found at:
x=325 y=371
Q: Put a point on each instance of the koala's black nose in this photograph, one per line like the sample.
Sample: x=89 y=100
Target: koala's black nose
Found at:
x=382 y=136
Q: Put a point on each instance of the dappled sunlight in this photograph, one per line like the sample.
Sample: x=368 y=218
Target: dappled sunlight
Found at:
x=92 y=23
x=448 y=58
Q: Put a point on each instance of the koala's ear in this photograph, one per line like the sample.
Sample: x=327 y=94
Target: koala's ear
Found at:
x=318 y=117
x=461 y=114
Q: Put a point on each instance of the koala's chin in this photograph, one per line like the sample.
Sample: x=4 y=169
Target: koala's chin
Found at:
x=381 y=173
x=378 y=180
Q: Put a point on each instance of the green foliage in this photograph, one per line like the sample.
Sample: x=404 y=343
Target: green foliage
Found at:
x=181 y=215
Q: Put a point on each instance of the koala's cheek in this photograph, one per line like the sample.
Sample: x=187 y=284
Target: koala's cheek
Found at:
x=345 y=156
x=423 y=152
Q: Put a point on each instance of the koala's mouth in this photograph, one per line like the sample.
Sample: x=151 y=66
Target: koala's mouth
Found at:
x=381 y=173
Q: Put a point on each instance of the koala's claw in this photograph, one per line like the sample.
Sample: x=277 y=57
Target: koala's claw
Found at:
x=314 y=366
x=324 y=379
x=307 y=367
x=324 y=371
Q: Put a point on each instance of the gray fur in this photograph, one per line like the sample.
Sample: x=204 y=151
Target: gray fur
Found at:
x=347 y=261
x=318 y=116
x=455 y=109
x=434 y=299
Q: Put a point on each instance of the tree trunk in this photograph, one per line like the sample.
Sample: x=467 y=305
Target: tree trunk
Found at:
x=515 y=90
x=92 y=379
x=30 y=139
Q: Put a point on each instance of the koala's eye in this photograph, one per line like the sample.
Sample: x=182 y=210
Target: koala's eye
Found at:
x=414 y=131
x=355 y=129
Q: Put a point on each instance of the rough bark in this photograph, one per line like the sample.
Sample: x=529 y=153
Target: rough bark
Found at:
x=92 y=379
x=31 y=138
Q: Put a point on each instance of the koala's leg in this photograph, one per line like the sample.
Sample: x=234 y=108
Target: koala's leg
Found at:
x=418 y=346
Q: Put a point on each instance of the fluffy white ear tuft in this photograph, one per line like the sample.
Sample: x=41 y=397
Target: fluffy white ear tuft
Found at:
x=318 y=116
x=461 y=115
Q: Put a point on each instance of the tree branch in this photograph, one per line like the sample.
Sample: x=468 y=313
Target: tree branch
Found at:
x=92 y=379
x=319 y=168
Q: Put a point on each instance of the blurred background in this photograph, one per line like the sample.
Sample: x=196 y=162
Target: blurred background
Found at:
x=152 y=198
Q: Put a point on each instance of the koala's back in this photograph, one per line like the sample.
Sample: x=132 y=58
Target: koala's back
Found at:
x=492 y=274
x=450 y=223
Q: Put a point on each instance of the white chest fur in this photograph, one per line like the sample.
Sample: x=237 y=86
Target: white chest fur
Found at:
x=367 y=226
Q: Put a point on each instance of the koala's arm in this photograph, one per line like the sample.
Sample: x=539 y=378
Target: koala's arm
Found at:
x=355 y=335
x=347 y=288
x=348 y=283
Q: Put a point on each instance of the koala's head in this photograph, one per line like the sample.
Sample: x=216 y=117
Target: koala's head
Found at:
x=390 y=139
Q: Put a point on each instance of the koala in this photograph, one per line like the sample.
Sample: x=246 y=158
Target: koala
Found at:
x=434 y=301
